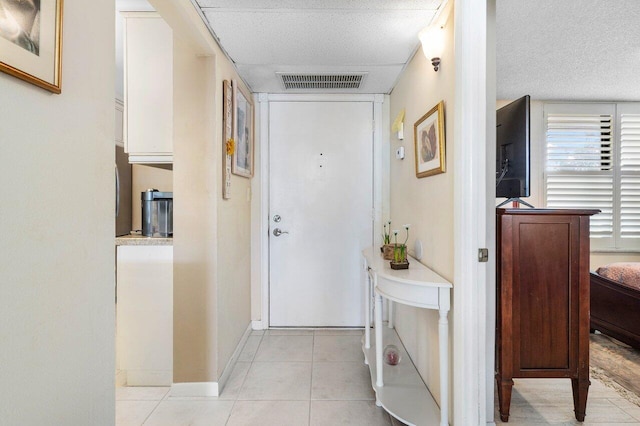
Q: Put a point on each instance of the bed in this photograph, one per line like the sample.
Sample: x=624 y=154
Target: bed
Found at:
x=615 y=302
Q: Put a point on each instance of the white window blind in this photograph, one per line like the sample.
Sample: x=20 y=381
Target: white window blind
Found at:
x=579 y=164
x=592 y=161
x=629 y=178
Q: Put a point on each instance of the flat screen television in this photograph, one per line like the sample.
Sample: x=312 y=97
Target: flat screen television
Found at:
x=513 y=150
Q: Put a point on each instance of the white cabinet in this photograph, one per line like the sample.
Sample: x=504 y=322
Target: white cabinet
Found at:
x=119 y=124
x=148 y=81
x=144 y=314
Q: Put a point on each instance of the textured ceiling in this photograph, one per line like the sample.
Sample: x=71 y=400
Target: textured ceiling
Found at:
x=568 y=50
x=263 y=37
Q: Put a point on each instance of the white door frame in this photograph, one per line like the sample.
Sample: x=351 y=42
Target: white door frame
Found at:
x=474 y=211
x=261 y=184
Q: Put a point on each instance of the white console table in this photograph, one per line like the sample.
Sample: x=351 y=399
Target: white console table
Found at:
x=400 y=389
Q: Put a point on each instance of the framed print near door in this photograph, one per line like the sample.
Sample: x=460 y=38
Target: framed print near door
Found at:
x=428 y=134
x=242 y=163
x=227 y=137
x=31 y=41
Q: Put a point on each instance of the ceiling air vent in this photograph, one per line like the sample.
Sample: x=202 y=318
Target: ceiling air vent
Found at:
x=321 y=81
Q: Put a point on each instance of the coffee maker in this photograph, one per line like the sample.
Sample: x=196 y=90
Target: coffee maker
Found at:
x=157 y=213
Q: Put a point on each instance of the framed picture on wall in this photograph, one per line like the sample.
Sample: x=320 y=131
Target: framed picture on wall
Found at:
x=31 y=41
x=243 y=133
x=228 y=145
x=428 y=133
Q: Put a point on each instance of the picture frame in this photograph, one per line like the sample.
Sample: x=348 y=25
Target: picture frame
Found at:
x=428 y=136
x=31 y=41
x=243 y=133
x=227 y=137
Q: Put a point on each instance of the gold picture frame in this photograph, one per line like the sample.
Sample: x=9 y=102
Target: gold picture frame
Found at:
x=31 y=41
x=428 y=136
x=227 y=137
x=243 y=133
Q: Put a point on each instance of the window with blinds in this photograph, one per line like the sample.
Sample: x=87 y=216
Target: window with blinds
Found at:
x=629 y=176
x=592 y=161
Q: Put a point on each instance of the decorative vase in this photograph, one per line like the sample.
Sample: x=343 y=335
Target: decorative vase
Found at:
x=399 y=265
x=387 y=251
x=391 y=355
x=399 y=259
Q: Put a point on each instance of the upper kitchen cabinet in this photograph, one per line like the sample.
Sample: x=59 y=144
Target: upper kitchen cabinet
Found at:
x=148 y=88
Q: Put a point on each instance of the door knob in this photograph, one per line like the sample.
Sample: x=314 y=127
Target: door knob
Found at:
x=277 y=232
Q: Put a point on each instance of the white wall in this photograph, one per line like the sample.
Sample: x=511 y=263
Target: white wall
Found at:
x=426 y=203
x=195 y=232
x=234 y=235
x=211 y=235
x=57 y=226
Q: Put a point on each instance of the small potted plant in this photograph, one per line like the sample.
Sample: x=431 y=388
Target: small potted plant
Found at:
x=399 y=260
x=387 y=248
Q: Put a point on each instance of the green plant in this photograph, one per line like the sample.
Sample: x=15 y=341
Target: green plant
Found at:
x=400 y=250
x=406 y=228
x=400 y=253
x=386 y=238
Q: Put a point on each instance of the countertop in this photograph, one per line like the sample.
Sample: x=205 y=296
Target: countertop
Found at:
x=139 y=240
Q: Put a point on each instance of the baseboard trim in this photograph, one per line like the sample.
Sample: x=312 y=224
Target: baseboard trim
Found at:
x=257 y=325
x=192 y=389
x=207 y=389
x=226 y=373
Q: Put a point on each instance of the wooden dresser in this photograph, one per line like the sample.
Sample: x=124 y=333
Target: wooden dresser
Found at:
x=543 y=300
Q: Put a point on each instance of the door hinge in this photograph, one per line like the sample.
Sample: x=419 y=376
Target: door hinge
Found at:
x=483 y=255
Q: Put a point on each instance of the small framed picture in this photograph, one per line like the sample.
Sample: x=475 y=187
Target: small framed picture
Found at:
x=31 y=41
x=242 y=163
x=428 y=133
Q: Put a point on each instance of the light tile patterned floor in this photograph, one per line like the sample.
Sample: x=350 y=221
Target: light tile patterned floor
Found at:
x=318 y=378
x=282 y=377
x=549 y=402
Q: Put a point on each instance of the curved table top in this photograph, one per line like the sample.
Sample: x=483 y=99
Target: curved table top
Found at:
x=417 y=274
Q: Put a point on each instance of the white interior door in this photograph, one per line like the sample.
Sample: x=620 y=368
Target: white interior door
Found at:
x=321 y=198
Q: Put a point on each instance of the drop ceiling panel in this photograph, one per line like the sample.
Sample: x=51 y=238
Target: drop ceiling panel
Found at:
x=319 y=37
x=264 y=37
x=380 y=79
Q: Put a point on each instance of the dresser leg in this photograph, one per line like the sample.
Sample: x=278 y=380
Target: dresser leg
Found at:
x=580 y=388
x=505 y=386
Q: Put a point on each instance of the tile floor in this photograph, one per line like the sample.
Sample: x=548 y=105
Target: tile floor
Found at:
x=549 y=401
x=282 y=377
x=318 y=378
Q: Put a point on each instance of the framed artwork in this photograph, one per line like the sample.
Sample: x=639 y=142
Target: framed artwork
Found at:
x=242 y=163
x=31 y=41
x=428 y=133
x=228 y=144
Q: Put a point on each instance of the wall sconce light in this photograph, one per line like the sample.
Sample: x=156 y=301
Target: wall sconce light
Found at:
x=436 y=63
x=432 y=40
